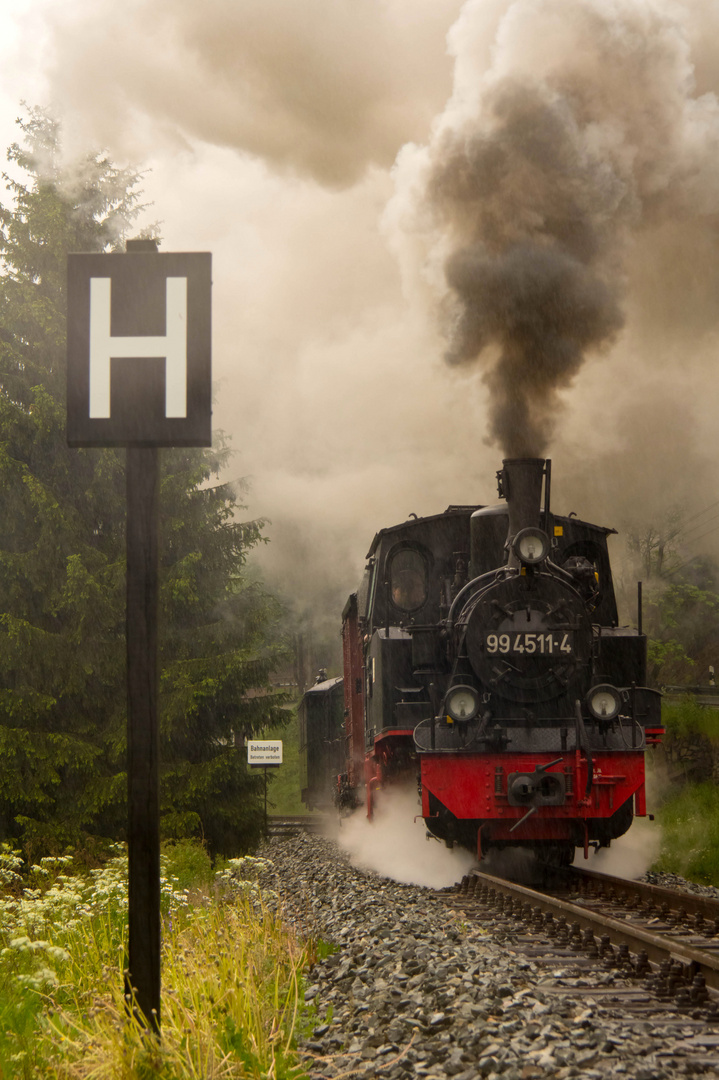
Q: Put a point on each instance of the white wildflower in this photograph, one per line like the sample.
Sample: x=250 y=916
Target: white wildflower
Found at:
x=42 y=979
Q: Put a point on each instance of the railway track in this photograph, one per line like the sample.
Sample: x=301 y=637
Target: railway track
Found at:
x=292 y=826
x=673 y=904
x=492 y=987
x=660 y=946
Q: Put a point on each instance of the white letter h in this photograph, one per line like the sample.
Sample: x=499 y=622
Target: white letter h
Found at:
x=173 y=347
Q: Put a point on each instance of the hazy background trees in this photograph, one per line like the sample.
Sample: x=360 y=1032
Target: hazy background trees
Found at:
x=681 y=602
x=62 y=568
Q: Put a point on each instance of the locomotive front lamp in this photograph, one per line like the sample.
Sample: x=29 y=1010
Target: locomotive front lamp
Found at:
x=462 y=703
x=604 y=702
x=531 y=546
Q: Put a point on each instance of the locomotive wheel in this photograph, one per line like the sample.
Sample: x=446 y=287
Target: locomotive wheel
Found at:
x=558 y=854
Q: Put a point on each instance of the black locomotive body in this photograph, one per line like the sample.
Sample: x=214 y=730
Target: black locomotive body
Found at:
x=483 y=660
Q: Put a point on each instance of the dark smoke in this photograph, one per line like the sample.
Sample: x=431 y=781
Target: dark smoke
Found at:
x=525 y=207
x=544 y=309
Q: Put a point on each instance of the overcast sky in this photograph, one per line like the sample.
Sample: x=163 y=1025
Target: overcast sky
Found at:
x=304 y=143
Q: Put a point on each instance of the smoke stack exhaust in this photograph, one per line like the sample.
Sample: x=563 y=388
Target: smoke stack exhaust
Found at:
x=520 y=483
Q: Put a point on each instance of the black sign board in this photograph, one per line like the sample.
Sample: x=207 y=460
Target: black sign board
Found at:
x=139 y=349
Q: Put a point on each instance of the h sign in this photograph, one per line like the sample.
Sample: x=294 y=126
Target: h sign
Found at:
x=138 y=349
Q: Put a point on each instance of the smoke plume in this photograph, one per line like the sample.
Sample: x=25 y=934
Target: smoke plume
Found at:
x=573 y=141
x=313 y=88
x=544 y=308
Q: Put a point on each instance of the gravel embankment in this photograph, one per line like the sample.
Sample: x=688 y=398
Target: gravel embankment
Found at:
x=415 y=992
x=679 y=884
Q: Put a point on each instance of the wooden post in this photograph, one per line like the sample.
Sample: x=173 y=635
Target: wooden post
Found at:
x=143 y=974
x=266 y=825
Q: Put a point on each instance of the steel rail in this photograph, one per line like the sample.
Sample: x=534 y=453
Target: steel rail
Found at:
x=284 y=825
x=658 y=947
x=681 y=902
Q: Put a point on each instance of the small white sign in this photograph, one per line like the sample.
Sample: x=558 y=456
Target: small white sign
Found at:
x=264 y=752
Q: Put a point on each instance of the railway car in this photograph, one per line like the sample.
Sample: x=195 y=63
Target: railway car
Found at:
x=483 y=662
x=322 y=742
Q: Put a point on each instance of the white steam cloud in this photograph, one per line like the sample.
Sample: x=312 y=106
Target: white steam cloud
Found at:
x=628 y=857
x=395 y=843
x=321 y=89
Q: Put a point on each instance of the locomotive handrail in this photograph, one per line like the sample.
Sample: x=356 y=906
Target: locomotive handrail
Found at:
x=635 y=726
x=583 y=744
x=470 y=584
x=477 y=736
x=505 y=571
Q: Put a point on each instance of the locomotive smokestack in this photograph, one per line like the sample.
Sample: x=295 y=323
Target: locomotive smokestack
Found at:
x=520 y=483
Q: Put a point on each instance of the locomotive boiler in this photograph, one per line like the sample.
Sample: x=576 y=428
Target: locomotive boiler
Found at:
x=483 y=662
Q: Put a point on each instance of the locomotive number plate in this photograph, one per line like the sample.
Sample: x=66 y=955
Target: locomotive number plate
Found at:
x=552 y=643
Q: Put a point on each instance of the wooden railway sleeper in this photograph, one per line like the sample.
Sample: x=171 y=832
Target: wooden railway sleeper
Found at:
x=698 y=992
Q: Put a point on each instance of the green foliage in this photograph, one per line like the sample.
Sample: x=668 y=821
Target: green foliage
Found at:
x=685 y=719
x=667 y=658
x=323 y=949
x=62 y=564
x=690 y=834
x=232 y=978
x=681 y=601
x=682 y=622
x=284 y=797
x=221 y=639
x=655 y=547
x=187 y=862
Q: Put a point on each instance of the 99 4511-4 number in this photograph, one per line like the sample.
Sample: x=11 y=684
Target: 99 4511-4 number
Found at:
x=552 y=643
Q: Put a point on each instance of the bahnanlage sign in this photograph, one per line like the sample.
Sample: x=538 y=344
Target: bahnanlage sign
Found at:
x=264 y=752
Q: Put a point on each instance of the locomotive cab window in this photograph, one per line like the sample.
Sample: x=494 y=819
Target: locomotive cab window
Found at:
x=583 y=560
x=408 y=579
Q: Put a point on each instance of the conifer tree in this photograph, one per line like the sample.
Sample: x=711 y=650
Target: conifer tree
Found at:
x=62 y=562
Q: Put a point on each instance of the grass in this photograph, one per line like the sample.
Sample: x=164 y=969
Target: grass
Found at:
x=232 y=999
x=690 y=833
x=283 y=792
x=689 y=813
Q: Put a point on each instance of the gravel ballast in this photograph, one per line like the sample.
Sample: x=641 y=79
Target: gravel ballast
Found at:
x=415 y=990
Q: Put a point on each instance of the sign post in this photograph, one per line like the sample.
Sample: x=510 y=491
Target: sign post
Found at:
x=142 y=978
x=139 y=376
x=265 y=754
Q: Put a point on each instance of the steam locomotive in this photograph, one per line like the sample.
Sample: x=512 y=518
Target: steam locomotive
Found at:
x=484 y=662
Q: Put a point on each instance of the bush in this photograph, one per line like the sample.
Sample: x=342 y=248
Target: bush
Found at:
x=188 y=862
x=685 y=718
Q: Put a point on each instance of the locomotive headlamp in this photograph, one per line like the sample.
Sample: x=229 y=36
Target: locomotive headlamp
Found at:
x=462 y=703
x=604 y=701
x=531 y=545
